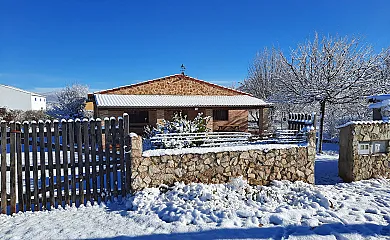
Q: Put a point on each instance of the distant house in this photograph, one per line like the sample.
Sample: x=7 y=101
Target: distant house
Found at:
x=149 y=102
x=18 y=99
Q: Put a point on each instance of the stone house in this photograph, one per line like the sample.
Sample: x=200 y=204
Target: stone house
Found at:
x=149 y=102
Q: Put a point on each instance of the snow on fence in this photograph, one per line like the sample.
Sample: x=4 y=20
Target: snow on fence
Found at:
x=203 y=139
x=297 y=121
x=50 y=164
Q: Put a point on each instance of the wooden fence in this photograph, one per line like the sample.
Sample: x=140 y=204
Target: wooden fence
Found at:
x=49 y=164
x=297 y=121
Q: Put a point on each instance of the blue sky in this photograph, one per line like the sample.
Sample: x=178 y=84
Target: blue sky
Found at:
x=46 y=45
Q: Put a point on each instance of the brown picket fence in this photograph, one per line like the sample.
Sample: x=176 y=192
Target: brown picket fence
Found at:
x=49 y=164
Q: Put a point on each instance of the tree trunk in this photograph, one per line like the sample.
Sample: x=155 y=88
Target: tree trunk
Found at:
x=320 y=138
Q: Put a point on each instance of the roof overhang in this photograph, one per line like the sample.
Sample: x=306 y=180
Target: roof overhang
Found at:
x=178 y=101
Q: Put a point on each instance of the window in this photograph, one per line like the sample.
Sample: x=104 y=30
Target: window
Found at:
x=220 y=115
x=139 y=116
x=35 y=99
x=364 y=148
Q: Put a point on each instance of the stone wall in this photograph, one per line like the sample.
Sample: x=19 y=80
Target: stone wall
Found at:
x=354 y=166
x=258 y=166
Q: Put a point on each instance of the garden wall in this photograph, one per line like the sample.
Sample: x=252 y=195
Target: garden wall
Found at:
x=259 y=164
x=373 y=160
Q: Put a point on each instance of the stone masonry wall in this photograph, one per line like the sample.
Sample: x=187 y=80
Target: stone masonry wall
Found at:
x=257 y=166
x=355 y=167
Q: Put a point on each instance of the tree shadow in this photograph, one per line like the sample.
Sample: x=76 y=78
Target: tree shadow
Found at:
x=326 y=172
x=331 y=229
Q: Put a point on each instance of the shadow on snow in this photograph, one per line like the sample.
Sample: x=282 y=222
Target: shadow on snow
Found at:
x=277 y=232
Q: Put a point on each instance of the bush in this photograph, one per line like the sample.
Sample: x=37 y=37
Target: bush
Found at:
x=21 y=116
x=178 y=124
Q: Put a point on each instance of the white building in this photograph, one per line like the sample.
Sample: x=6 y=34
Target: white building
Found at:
x=18 y=99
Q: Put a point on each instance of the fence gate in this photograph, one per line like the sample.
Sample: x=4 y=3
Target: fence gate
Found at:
x=49 y=164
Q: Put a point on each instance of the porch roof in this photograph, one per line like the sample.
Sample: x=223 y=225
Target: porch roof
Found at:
x=177 y=101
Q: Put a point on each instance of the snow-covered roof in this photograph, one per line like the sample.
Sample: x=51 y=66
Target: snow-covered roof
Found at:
x=168 y=101
x=21 y=90
x=363 y=123
x=379 y=97
x=382 y=103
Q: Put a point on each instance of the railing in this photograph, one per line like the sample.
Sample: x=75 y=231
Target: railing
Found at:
x=289 y=136
x=297 y=121
x=206 y=139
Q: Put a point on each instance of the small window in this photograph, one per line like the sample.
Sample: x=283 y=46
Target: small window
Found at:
x=220 y=115
x=40 y=99
x=35 y=99
x=364 y=148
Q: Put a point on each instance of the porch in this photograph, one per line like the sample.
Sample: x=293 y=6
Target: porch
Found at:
x=227 y=113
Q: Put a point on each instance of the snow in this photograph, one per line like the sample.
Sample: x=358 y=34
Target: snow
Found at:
x=362 y=123
x=380 y=104
x=284 y=210
x=379 y=97
x=202 y=150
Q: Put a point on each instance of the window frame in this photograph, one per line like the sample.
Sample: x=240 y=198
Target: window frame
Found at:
x=220 y=115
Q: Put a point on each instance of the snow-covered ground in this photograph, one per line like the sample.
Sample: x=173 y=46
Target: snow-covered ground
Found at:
x=283 y=210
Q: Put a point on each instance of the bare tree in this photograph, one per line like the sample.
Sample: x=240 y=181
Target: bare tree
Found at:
x=331 y=71
x=261 y=77
x=262 y=74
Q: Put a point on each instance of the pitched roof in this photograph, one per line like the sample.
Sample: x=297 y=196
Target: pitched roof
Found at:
x=21 y=90
x=171 y=101
x=171 y=77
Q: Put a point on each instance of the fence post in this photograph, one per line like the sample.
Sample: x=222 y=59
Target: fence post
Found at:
x=3 y=167
x=71 y=142
x=58 y=162
x=114 y=157
x=64 y=132
x=50 y=162
x=19 y=166
x=99 y=135
x=26 y=135
x=42 y=161
x=107 y=156
x=93 y=159
x=79 y=141
x=122 y=157
x=127 y=144
x=86 y=154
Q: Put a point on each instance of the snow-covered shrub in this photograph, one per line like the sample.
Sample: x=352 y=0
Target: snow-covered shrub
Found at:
x=21 y=116
x=71 y=103
x=178 y=124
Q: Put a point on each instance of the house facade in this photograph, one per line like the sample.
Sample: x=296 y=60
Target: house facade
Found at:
x=150 y=102
x=19 y=99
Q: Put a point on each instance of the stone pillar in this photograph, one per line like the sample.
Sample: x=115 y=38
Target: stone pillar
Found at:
x=136 y=159
x=311 y=155
x=209 y=112
x=160 y=115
